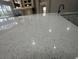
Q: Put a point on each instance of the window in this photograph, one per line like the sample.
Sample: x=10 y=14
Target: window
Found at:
x=5 y=10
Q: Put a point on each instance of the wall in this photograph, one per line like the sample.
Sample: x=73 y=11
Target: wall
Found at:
x=5 y=3
x=70 y=5
x=37 y=6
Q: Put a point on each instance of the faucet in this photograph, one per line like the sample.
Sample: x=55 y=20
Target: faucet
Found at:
x=61 y=7
x=44 y=10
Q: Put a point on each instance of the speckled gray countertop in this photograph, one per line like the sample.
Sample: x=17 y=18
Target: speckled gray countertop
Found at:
x=39 y=37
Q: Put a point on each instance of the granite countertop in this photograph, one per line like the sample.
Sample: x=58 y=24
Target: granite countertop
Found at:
x=39 y=37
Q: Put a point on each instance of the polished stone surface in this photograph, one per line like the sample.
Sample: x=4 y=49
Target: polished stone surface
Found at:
x=39 y=37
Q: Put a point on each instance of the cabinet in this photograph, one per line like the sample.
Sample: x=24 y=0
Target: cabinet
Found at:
x=24 y=6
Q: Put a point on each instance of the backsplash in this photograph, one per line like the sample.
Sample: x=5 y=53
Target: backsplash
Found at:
x=72 y=18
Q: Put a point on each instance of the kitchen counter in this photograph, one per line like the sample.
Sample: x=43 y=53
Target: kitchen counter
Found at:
x=73 y=18
x=38 y=36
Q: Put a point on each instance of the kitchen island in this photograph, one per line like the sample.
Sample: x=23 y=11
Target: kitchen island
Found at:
x=39 y=36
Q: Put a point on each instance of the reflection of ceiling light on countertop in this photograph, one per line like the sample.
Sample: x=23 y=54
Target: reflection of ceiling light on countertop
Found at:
x=50 y=30
x=68 y=28
x=33 y=43
x=54 y=46
x=1 y=20
x=44 y=14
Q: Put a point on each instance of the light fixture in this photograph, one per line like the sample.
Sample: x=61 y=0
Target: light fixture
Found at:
x=68 y=28
x=7 y=0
